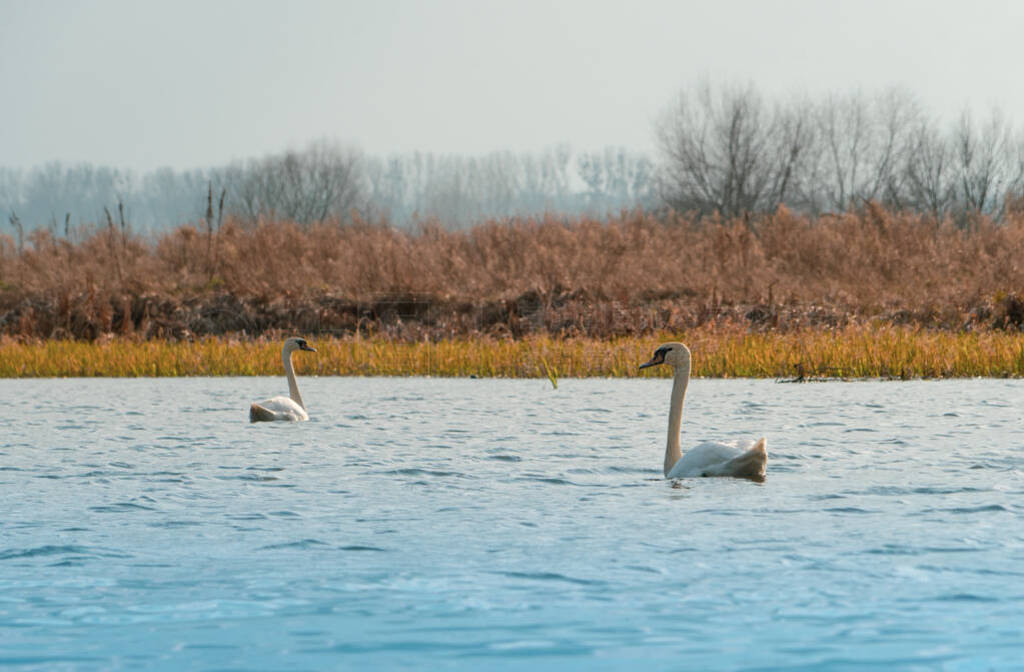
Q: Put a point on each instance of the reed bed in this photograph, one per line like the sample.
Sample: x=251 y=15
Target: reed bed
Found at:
x=632 y=275
x=852 y=352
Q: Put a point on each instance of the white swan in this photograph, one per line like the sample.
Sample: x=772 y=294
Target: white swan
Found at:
x=707 y=459
x=284 y=408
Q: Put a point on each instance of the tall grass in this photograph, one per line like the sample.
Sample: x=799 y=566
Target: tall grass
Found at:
x=853 y=352
x=635 y=274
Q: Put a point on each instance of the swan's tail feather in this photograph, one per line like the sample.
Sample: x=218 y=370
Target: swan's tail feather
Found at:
x=750 y=464
x=259 y=414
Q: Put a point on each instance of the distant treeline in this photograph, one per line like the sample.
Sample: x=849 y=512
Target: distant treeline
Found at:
x=722 y=150
x=326 y=181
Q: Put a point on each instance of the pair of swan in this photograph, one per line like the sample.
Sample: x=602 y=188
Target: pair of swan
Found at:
x=707 y=459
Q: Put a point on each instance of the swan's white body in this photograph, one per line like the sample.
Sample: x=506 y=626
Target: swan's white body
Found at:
x=720 y=459
x=277 y=408
x=290 y=408
x=740 y=460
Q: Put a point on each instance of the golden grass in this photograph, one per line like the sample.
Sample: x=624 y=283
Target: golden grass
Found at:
x=852 y=352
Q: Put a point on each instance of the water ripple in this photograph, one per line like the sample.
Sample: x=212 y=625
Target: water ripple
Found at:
x=303 y=544
x=471 y=524
x=550 y=576
x=121 y=507
x=42 y=551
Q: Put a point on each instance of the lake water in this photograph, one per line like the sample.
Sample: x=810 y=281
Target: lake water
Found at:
x=500 y=524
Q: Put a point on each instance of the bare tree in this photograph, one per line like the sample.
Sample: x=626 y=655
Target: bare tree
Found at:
x=726 y=151
x=987 y=164
x=321 y=182
x=928 y=172
x=862 y=145
x=794 y=140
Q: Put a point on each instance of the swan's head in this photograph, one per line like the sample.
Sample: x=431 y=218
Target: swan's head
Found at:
x=293 y=344
x=674 y=354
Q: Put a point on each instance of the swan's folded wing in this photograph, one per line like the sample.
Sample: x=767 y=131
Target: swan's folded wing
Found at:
x=749 y=464
x=278 y=408
x=713 y=459
x=258 y=413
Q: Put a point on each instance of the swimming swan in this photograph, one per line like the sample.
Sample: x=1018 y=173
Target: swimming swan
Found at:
x=284 y=408
x=707 y=459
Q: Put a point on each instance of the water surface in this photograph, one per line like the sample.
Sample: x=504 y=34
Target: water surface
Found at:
x=497 y=524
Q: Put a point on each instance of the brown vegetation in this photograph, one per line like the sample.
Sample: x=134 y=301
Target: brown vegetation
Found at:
x=635 y=274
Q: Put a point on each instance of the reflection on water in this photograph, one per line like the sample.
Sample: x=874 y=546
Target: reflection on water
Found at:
x=484 y=524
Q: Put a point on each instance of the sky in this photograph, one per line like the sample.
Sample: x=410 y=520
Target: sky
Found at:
x=142 y=84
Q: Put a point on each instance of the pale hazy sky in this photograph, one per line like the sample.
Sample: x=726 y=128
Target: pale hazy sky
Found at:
x=195 y=83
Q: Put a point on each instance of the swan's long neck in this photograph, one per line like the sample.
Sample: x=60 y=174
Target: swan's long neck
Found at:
x=293 y=386
x=675 y=417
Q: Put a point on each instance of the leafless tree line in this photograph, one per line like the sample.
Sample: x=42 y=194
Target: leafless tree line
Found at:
x=459 y=191
x=723 y=149
x=730 y=151
x=329 y=182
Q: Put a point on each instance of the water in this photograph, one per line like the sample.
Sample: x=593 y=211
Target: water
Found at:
x=493 y=524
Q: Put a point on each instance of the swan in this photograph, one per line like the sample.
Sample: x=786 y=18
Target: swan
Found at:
x=284 y=408
x=707 y=459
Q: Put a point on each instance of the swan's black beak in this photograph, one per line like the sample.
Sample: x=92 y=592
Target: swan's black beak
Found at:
x=658 y=358
x=306 y=347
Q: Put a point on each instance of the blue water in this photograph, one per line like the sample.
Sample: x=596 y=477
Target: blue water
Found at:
x=493 y=524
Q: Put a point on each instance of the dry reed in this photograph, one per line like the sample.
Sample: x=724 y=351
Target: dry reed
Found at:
x=633 y=275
